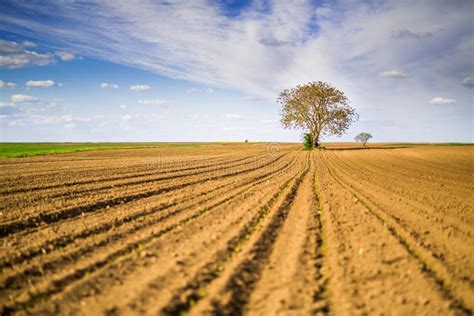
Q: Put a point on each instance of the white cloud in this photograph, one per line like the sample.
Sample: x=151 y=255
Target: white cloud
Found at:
x=67 y=118
x=440 y=100
x=72 y=118
x=301 y=40
x=40 y=83
x=405 y=33
x=140 y=87
x=105 y=85
x=272 y=45
x=60 y=84
x=7 y=85
x=21 y=98
x=29 y=44
x=65 y=56
x=16 y=55
x=394 y=74
x=123 y=106
x=153 y=102
x=126 y=117
x=197 y=90
x=6 y=104
x=233 y=116
x=468 y=82
x=68 y=121
x=193 y=90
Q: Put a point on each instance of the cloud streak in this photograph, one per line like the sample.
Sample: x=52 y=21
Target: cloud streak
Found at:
x=7 y=85
x=440 y=100
x=394 y=74
x=140 y=87
x=270 y=45
x=105 y=85
x=290 y=41
x=468 y=82
x=22 y=98
x=16 y=55
x=40 y=83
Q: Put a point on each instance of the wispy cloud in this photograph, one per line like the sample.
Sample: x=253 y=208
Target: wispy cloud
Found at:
x=440 y=100
x=197 y=90
x=290 y=41
x=105 y=85
x=40 y=83
x=126 y=117
x=394 y=74
x=468 y=82
x=193 y=90
x=16 y=55
x=269 y=46
x=7 y=85
x=140 y=87
x=22 y=98
x=405 y=33
x=65 y=56
x=153 y=102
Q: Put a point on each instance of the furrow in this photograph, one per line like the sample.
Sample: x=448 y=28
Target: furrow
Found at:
x=58 y=284
x=63 y=241
x=48 y=218
x=460 y=294
x=180 y=170
x=244 y=278
x=15 y=280
x=185 y=297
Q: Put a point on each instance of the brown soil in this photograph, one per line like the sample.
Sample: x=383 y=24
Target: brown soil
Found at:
x=235 y=229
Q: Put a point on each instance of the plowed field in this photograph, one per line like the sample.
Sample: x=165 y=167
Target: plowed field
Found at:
x=239 y=229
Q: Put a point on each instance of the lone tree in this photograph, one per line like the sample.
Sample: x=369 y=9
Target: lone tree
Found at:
x=363 y=138
x=318 y=108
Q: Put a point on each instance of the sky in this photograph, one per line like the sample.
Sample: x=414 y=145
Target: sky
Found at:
x=212 y=70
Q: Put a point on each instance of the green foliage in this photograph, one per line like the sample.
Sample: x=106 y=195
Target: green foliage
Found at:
x=35 y=149
x=316 y=107
x=308 y=141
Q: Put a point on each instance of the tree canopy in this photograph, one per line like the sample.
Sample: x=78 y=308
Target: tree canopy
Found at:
x=317 y=108
x=363 y=138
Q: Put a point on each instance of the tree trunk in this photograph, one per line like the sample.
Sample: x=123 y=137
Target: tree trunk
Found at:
x=315 y=139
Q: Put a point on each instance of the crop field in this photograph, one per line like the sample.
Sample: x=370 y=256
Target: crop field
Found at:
x=229 y=229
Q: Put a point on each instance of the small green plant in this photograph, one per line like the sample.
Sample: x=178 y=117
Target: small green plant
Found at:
x=308 y=141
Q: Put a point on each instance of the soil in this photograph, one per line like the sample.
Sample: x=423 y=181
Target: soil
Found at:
x=239 y=229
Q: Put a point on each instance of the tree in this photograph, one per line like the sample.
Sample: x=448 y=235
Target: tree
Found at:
x=363 y=138
x=318 y=108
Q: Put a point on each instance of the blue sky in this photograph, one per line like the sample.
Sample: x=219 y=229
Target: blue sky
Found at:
x=211 y=71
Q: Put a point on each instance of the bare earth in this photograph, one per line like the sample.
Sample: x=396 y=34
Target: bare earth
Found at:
x=230 y=229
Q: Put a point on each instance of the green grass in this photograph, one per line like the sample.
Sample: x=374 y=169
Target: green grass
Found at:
x=11 y=150
x=34 y=149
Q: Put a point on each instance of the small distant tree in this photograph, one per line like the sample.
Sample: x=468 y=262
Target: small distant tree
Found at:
x=246 y=140
x=308 y=141
x=316 y=107
x=363 y=138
